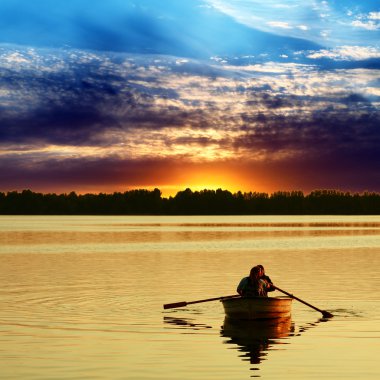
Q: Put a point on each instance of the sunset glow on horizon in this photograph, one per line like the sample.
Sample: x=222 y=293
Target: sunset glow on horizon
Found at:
x=202 y=94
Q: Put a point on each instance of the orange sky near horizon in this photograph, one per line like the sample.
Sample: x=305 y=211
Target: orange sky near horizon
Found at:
x=171 y=177
x=171 y=125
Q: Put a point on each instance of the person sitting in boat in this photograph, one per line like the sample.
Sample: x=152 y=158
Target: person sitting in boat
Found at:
x=266 y=278
x=253 y=285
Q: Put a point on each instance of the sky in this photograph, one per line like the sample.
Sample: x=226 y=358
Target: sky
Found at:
x=103 y=96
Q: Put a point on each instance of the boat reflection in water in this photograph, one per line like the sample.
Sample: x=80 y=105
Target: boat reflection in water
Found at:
x=254 y=338
x=185 y=323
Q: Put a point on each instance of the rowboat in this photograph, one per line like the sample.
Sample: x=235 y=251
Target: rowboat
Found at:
x=257 y=307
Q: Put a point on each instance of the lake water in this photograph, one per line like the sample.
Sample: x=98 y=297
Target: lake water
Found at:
x=81 y=297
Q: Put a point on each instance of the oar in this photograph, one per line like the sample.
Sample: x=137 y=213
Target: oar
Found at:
x=183 y=303
x=325 y=313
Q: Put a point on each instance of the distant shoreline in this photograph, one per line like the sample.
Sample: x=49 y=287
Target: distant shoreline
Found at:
x=188 y=202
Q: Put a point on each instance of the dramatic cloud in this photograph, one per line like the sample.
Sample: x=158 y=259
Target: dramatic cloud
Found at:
x=369 y=21
x=81 y=112
x=347 y=53
x=325 y=22
x=201 y=93
x=169 y=27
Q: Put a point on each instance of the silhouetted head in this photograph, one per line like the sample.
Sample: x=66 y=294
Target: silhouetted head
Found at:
x=262 y=270
x=255 y=273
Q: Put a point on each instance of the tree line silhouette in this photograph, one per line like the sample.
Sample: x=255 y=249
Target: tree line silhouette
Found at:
x=188 y=202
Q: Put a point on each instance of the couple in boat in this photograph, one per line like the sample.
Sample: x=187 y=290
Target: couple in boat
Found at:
x=257 y=284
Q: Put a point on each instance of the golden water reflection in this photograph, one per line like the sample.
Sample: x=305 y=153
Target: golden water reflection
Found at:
x=253 y=339
x=185 y=323
x=82 y=297
x=182 y=235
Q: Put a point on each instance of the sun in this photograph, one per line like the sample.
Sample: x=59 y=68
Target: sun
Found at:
x=204 y=179
x=232 y=176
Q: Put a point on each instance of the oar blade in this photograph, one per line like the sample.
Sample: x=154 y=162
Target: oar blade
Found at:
x=326 y=314
x=174 y=305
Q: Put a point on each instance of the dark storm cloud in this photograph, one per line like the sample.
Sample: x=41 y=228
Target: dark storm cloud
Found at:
x=355 y=171
x=85 y=96
x=72 y=173
x=271 y=101
x=143 y=113
x=338 y=137
x=67 y=111
x=78 y=103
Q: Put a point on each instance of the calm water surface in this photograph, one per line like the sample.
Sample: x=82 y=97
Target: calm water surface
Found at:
x=81 y=297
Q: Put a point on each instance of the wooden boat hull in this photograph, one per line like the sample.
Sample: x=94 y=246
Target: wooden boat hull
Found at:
x=257 y=307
